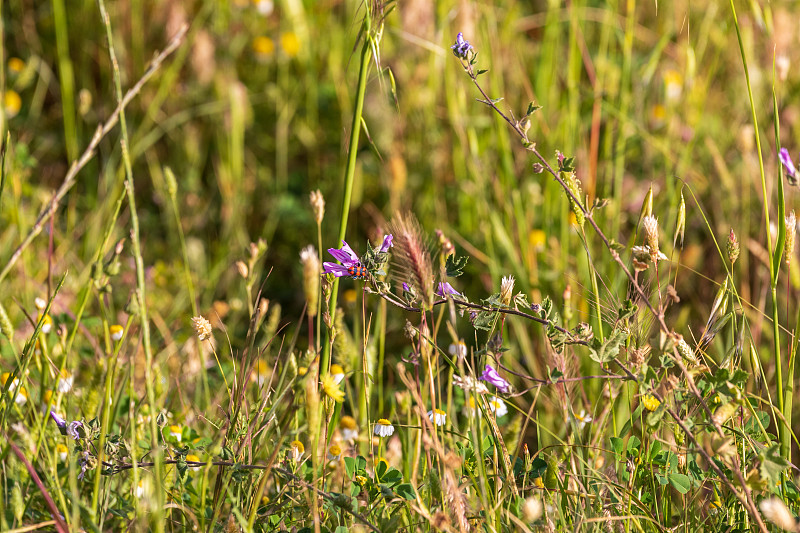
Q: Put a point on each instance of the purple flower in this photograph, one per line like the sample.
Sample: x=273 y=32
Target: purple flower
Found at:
x=445 y=289
x=406 y=287
x=387 y=243
x=336 y=270
x=490 y=375
x=60 y=422
x=76 y=430
x=461 y=47
x=787 y=162
x=345 y=255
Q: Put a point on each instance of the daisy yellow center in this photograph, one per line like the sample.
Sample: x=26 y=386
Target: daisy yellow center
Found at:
x=336 y=369
x=439 y=412
x=175 y=429
x=193 y=458
x=384 y=422
x=348 y=422
x=297 y=445
x=334 y=450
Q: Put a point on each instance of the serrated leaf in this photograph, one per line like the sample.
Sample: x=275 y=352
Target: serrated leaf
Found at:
x=454 y=266
x=484 y=320
x=772 y=465
x=608 y=350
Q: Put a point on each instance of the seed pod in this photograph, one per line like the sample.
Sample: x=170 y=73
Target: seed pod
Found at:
x=680 y=223
x=788 y=244
x=733 y=247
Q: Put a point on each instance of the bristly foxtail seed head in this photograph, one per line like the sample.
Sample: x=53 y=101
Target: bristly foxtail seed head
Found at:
x=733 y=247
x=413 y=258
x=775 y=511
x=318 y=205
x=650 y=224
x=788 y=244
x=311 y=271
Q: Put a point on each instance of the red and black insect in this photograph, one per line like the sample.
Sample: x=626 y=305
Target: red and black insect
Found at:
x=357 y=271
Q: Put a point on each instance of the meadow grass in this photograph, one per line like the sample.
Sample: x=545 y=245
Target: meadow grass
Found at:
x=398 y=267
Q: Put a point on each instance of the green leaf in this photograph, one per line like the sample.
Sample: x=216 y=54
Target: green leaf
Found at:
x=772 y=464
x=454 y=266
x=406 y=491
x=603 y=352
x=617 y=445
x=681 y=482
x=350 y=466
x=484 y=320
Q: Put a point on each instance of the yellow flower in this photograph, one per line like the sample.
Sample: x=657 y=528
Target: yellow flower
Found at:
x=350 y=296
x=538 y=482
x=297 y=450
x=192 y=458
x=15 y=65
x=650 y=402
x=61 y=450
x=301 y=371
x=334 y=453
x=361 y=480
x=47 y=322
x=261 y=372
x=176 y=432
x=116 y=332
x=537 y=239
x=332 y=389
x=337 y=372
x=12 y=103
x=263 y=46
x=290 y=43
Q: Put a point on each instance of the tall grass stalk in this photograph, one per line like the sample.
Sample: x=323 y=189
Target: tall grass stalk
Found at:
x=774 y=254
x=141 y=287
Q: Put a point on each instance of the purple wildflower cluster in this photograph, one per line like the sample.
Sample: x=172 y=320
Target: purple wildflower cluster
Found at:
x=462 y=46
x=348 y=258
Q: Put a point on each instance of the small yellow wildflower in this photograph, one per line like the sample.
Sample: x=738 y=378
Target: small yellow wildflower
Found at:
x=12 y=103
x=650 y=402
x=337 y=372
x=15 y=65
x=61 y=450
x=334 y=453
x=537 y=239
x=297 y=450
x=332 y=389
x=263 y=46
x=290 y=43
x=192 y=458
x=349 y=428
x=301 y=371
x=176 y=432
x=116 y=332
x=539 y=482
x=47 y=322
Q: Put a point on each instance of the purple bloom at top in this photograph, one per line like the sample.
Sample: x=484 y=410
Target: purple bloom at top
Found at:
x=406 y=287
x=787 y=162
x=461 y=47
x=490 y=375
x=387 y=243
x=446 y=289
x=344 y=255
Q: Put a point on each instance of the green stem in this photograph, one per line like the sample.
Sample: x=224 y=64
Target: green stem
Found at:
x=349 y=177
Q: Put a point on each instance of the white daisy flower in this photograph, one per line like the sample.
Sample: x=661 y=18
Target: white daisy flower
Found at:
x=65 y=381
x=583 y=419
x=384 y=428
x=437 y=416
x=116 y=332
x=498 y=407
x=337 y=372
x=176 y=432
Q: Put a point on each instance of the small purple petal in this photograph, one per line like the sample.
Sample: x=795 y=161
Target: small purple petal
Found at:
x=387 y=243
x=787 y=162
x=461 y=47
x=60 y=422
x=406 y=287
x=336 y=270
x=344 y=255
x=446 y=289
x=490 y=375
x=75 y=430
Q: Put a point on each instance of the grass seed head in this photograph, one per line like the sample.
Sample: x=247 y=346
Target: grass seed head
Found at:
x=733 y=247
x=202 y=327
x=311 y=271
x=317 y=205
x=788 y=244
x=650 y=225
x=412 y=256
